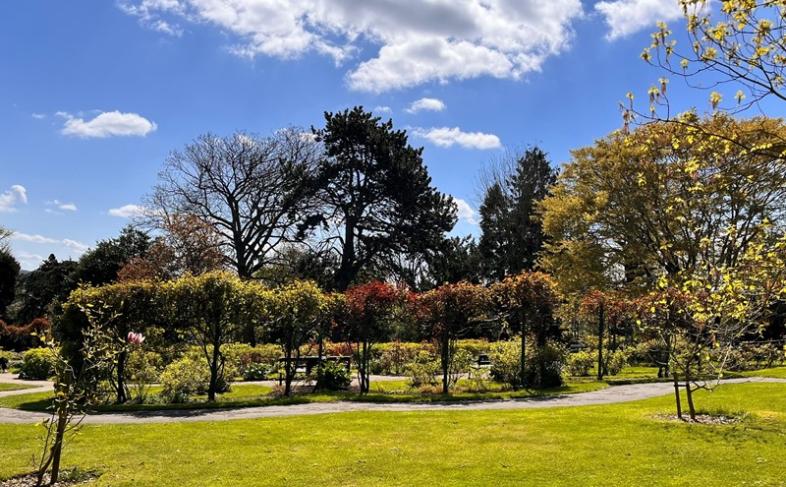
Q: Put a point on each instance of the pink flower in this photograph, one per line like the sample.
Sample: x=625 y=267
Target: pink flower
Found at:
x=135 y=338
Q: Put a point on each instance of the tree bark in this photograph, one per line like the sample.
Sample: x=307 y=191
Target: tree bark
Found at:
x=214 y=364
x=677 y=395
x=601 y=326
x=523 y=371
x=445 y=362
x=122 y=397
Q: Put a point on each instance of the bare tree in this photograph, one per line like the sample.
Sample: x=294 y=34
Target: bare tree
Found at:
x=5 y=237
x=248 y=188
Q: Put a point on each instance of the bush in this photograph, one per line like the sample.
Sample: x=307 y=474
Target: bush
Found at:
x=545 y=366
x=395 y=356
x=506 y=363
x=333 y=376
x=616 y=361
x=580 y=363
x=255 y=371
x=142 y=369
x=37 y=364
x=424 y=370
x=183 y=378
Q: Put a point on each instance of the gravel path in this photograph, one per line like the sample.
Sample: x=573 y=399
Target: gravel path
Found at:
x=609 y=395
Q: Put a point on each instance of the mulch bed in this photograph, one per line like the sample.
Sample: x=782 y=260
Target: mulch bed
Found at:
x=702 y=419
x=29 y=480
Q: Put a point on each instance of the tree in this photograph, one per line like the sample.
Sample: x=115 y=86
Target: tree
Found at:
x=511 y=235
x=5 y=237
x=295 y=313
x=101 y=264
x=211 y=309
x=370 y=308
x=51 y=281
x=375 y=193
x=527 y=302
x=663 y=199
x=740 y=43
x=248 y=189
x=9 y=272
x=447 y=313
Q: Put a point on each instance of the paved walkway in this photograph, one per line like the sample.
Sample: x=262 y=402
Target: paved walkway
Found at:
x=609 y=395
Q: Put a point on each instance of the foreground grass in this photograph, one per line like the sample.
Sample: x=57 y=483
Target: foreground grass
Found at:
x=775 y=372
x=624 y=444
x=13 y=387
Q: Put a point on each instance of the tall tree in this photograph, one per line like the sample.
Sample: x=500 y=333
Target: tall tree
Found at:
x=248 y=188
x=9 y=272
x=101 y=264
x=376 y=194
x=38 y=289
x=5 y=237
x=511 y=233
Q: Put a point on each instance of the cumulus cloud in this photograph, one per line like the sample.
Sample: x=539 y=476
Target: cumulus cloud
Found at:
x=107 y=124
x=77 y=247
x=626 y=17
x=9 y=199
x=426 y=104
x=448 y=137
x=129 y=211
x=465 y=212
x=382 y=109
x=415 y=41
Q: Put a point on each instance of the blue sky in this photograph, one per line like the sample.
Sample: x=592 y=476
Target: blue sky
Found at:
x=95 y=93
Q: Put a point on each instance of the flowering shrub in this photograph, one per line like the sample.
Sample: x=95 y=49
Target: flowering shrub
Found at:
x=580 y=363
x=183 y=378
x=333 y=376
x=255 y=371
x=506 y=362
x=37 y=364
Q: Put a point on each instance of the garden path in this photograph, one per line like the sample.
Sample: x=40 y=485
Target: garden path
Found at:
x=609 y=395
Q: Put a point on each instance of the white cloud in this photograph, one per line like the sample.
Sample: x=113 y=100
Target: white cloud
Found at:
x=448 y=137
x=107 y=124
x=382 y=109
x=625 y=17
x=77 y=247
x=9 y=199
x=60 y=205
x=129 y=211
x=415 y=41
x=27 y=260
x=426 y=104
x=465 y=211
x=39 y=116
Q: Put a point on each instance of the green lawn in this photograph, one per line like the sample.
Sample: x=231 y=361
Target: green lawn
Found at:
x=776 y=372
x=624 y=444
x=13 y=387
x=249 y=395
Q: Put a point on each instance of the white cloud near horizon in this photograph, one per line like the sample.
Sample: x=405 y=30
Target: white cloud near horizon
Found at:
x=13 y=196
x=427 y=105
x=450 y=136
x=128 y=211
x=465 y=212
x=626 y=17
x=412 y=41
x=107 y=124
x=78 y=247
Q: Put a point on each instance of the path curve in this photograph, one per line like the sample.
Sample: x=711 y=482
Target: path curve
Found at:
x=609 y=395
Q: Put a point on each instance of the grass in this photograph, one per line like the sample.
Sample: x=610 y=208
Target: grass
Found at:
x=251 y=395
x=13 y=387
x=775 y=372
x=623 y=444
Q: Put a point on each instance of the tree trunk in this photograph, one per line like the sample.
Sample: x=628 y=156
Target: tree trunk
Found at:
x=677 y=395
x=523 y=371
x=345 y=274
x=601 y=326
x=214 y=364
x=689 y=394
x=445 y=359
x=57 y=446
x=122 y=397
x=288 y=370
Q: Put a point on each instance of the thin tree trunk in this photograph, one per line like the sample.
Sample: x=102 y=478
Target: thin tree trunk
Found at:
x=122 y=397
x=523 y=371
x=213 y=386
x=601 y=326
x=677 y=395
x=445 y=363
x=57 y=446
x=689 y=394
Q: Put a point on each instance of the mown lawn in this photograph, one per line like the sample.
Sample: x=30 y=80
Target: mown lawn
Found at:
x=13 y=387
x=250 y=395
x=776 y=372
x=625 y=444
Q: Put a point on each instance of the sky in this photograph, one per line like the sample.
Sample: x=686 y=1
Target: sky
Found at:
x=95 y=93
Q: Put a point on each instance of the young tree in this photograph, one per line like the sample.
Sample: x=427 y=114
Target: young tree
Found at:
x=447 y=313
x=212 y=310
x=527 y=301
x=375 y=193
x=248 y=189
x=295 y=311
x=370 y=308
